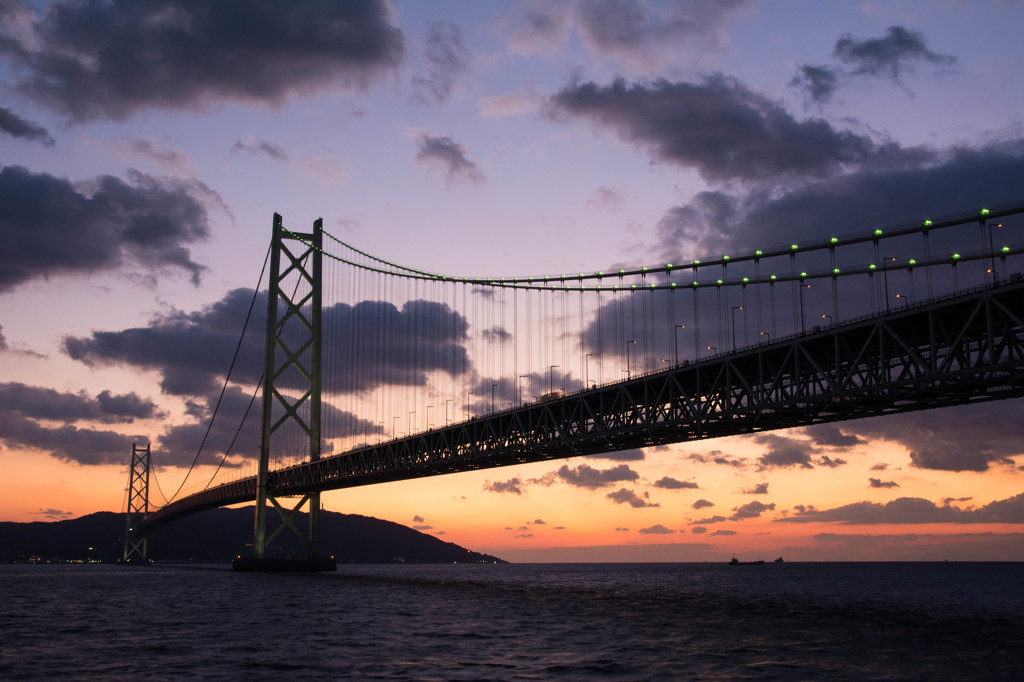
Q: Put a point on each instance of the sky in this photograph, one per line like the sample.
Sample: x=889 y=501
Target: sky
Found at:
x=144 y=147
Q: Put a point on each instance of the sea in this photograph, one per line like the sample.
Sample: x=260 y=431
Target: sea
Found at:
x=777 y=621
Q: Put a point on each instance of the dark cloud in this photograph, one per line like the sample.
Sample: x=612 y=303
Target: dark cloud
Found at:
x=880 y=467
x=717 y=457
x=964 y=438
x=831 y=463
x=450 y=156
x=656 y=529
x=69 y=443
x=820 y=82
x=699 y=530
x=446 y=58
x=46 y=403
x=784 y=452
x=512 y=485
x=585 y=476
x=422 y=527
x=3 y=340
x=718 y=126
x=751 y=510
x=830 y=436
x=724 y=532
x=702 y=503
x=913 y=510
x=418 y=519
x=624 y=496
x=192 y=351
x=55 y=513
x=537 y=522
x=16 y=126
x=889 y=56
x=641 y=32
x=670 y=483
x=759 y=489
x=879 y=483
x=52 y=227
x=270 y=149
x=709 y=520
x=110 y=59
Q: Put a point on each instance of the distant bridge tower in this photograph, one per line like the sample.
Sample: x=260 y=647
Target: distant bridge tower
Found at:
x=138 y=505
x=291 y=385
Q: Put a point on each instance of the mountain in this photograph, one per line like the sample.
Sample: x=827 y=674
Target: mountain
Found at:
x=221 y=534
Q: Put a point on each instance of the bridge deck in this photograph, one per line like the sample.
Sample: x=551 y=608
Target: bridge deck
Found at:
x=956 y=350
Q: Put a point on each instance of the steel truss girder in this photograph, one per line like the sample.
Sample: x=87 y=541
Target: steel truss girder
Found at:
x=950 y=351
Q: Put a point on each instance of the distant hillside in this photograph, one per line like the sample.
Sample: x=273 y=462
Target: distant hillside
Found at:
x=221 y=534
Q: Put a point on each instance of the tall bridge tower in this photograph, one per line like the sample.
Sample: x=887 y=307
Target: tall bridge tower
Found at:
x=138 y=506
x=291 y=389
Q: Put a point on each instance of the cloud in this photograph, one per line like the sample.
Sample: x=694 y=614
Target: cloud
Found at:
x=829 y=435
x=784 y=452
x=939 y=182
x=826 y=461
x=254 y=146
x=172 y=159
x=646 y=34
x=724 y=532
x=192 y=351
x=52 y=227
x=709 y=520
x=879 y=483
x=69 y=443
x=586 y=476
x=717 y=457
x=759 y=489
x=512 y=485
x=702 y=503
x=606 y=198
x=820 y=82
x=55 y=513
x=913 y=510
x=656 y=529
x=111 y=59
x=717 y=126
x=889 y=56
x=417 y=519
x=670 y=483
x=537 y=522
x=699 y=530
x=450 y=156
x=46 y=403
x=446 y=59
x=964 y=438
x=624 y=496
x=542 y=27
x=751 y=510
x=16 y=126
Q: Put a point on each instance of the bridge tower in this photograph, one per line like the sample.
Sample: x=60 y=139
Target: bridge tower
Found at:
x=291 y=387
x=138 y=505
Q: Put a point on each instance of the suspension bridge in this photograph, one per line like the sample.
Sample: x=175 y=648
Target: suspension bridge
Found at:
x=353 y=370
